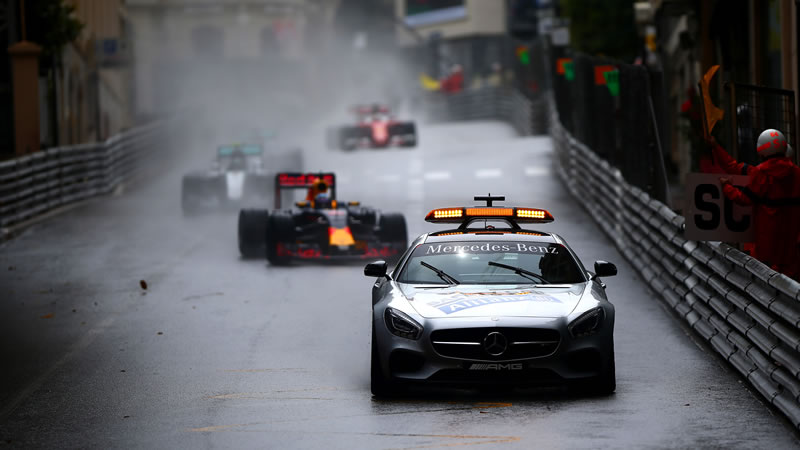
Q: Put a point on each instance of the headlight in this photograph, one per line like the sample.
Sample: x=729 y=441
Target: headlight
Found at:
x=400 y=324
x=588 y=323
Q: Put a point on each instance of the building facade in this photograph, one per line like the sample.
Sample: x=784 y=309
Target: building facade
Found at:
x=470 y=33
x=188 y=52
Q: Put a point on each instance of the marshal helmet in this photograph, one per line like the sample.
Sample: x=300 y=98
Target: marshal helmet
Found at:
x=770 y=143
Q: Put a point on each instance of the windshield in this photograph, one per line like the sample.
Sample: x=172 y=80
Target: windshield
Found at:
x=491 y=263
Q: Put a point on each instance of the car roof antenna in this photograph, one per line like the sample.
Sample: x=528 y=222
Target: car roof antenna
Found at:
x=489 y=199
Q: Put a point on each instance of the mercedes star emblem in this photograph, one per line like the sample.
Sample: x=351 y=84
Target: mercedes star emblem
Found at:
x=495 y=344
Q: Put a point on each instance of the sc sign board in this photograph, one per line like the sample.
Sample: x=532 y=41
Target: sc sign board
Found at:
x=710 y=216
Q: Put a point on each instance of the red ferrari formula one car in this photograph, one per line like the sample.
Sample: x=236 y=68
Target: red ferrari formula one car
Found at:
x=376 y=128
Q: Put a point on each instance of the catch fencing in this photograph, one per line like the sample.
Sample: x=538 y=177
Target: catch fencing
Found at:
x=747 y=312
x=751 y=110
x=43 y=181
x=627 y=128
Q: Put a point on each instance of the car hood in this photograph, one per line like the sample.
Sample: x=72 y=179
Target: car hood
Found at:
x=499 y=301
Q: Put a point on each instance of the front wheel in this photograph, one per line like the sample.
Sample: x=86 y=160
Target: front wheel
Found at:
x=392 y=230
x=603 y=384
x=280 y=231
x=253 y=233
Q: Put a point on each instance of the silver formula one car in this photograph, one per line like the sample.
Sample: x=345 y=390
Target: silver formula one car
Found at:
x=491 y=305
x=237 y=177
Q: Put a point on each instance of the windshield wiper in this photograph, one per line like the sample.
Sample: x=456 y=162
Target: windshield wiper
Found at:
x=520 y=271
x=442 y=274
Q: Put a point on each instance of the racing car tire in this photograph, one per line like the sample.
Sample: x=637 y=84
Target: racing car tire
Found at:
x=603 y=384
x=379 y=384
x=345 y=135
x=393 y=229
x=280 y=228
x=405 y=129
x=188 y=206
x=252 y=234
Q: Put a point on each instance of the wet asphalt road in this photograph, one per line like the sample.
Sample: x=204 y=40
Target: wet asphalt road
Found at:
x=222 y=352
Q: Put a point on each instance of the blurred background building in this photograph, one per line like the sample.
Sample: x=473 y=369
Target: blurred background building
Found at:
x=470 y=33
x=185 y=50
x=82 y=87
x=92 y=96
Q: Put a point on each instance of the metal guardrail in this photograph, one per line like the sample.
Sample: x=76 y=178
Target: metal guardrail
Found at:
x=496 y=103
x=40 y=182
x=746 y=311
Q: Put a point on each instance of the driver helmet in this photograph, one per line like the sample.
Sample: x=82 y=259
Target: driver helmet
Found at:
x=322 y=200
x=238 y=160
x=317 y=186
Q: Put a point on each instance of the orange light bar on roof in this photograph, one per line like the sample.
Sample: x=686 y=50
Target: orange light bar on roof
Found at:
x=490 y=212
x=466 y=215
x=449 y=213
x=526 y=213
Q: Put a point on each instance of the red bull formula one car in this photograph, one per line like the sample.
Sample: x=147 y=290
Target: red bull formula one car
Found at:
x=320 y=227
x=376 y=128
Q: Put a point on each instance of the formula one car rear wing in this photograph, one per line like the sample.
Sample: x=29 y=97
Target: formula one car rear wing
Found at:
x=300 y=180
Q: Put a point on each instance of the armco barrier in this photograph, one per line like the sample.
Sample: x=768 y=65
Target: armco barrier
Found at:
x=40 y=182
x=747 y=312
x=496 y=103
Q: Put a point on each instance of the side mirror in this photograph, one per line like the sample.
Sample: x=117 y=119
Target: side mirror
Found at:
x=604 y=269
x=376 y=269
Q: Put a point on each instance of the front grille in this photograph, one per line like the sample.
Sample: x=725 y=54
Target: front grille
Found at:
x=469 y=343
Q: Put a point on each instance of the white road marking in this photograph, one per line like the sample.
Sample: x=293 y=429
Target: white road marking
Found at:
x=437 y=176
x=537 y=171
x=488 y=173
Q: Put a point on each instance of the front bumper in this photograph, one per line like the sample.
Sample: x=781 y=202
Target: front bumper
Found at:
x=418 y=361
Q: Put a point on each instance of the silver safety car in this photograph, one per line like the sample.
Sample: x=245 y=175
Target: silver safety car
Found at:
x=491 y=302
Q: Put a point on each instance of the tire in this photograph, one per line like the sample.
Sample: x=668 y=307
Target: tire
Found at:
x=366 y=216
x=201 y=186
x=253 y=233
x=392 y=228
x=380 y=385
x=602 y=385
x=188 y=193
x=345 y=134
x=405 y=129
x=410 y=143
x=280 y=229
